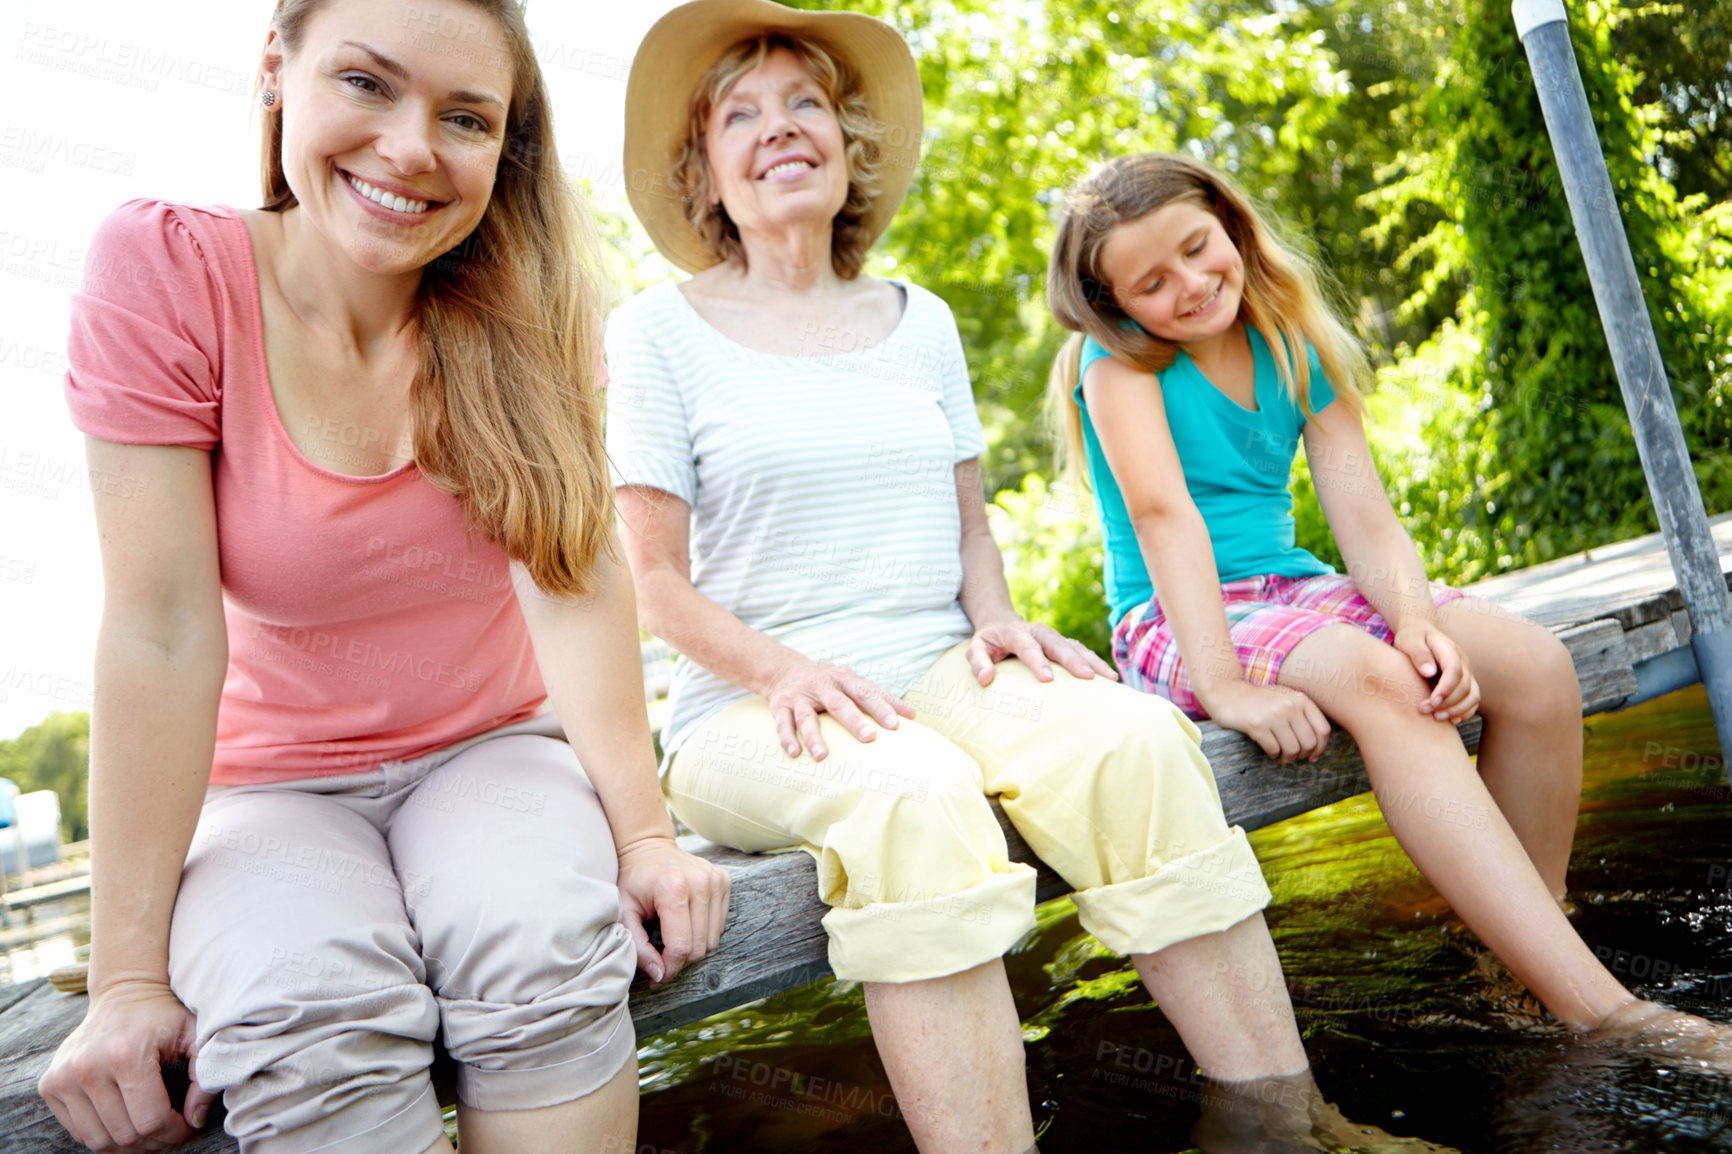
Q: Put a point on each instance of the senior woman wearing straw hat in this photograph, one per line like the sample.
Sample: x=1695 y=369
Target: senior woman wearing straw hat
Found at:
x=796 y=456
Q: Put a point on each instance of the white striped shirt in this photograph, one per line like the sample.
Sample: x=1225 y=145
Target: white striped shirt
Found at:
x=822 y=488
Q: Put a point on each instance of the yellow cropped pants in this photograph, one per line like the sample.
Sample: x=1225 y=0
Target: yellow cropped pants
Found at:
x=1107 y=785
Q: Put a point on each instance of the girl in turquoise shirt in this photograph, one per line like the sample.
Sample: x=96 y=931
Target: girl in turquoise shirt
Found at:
x=1180 y=393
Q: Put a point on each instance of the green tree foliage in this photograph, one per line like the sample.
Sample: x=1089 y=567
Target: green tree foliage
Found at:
x=1684 y=52
x=54 y=754
x=1565 y=474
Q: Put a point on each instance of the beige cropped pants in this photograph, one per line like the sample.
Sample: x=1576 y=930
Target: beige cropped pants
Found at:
x=1107 y=785
x=326 y=928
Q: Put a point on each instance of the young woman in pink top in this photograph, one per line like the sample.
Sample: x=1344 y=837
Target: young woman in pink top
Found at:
x=361 y=532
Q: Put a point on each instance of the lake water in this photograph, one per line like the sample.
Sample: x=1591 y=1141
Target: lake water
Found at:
x=44 y=937
x=1409 y=1024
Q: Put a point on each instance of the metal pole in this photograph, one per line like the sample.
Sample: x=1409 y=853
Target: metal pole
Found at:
x=1542 y=27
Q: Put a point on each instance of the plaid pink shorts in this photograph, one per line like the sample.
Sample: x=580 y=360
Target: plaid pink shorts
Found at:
x=1266 y=616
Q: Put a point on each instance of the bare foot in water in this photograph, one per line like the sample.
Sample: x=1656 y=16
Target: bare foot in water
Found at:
x=1653 y=1031
x=1286 y=1115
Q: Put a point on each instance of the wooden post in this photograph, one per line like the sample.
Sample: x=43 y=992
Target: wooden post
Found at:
x=1544 y=31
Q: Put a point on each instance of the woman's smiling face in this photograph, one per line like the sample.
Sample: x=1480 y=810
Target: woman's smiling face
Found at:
x=393 y=123
x=775 y=149
x=1175 y=272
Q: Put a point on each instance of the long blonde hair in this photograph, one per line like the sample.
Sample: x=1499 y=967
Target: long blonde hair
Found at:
x=1284 y=289
x=504 y=407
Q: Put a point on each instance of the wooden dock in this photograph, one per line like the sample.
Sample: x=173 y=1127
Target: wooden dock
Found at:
x=1617 y=608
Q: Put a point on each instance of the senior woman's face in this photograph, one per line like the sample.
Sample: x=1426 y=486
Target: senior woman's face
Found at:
x=775 y=148
x=393 y=122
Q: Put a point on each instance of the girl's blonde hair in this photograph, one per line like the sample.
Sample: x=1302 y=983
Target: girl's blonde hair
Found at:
x=1284 y=289
x=504 y=408
x=862 y=140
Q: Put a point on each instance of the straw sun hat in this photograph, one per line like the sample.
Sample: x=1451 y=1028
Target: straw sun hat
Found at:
x=683 y=45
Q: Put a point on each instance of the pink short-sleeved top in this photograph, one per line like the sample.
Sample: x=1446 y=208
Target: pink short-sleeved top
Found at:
x=362 y=626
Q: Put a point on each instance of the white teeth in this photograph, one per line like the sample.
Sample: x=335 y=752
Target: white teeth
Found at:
x=1206 y=303
x=386 y=199
x=788 y=165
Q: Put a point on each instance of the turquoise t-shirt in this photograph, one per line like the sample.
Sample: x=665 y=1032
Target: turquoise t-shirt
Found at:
x=1236 y=463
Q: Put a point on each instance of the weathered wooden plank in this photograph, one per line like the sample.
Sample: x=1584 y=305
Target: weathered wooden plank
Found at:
x=1629 y=581
x=772 y=941
x=1651 y=640
x=1659 y=638
x=1603 y=665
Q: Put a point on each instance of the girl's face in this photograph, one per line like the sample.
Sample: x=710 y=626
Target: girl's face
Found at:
x=1175 y=272
x=393 y=123
x=775 y=148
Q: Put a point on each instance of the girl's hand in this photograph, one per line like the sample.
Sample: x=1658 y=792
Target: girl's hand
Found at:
x=1014 y=637
x=688 y=895
x=1455 y=695
x=1285 y=722
x=105 y=1082
x=803 y=689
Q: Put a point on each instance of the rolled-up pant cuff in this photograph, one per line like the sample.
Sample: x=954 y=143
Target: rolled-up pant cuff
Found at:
x=932 y=937
x=540 y=1086
x=413 y=1128
x=1201 y=893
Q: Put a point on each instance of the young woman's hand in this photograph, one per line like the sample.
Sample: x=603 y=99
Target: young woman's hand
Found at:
x=685 y=893
x=803 y=688
x=1037 y=645
x=1285 y=722
x=105 y=1082
x=1454 y=696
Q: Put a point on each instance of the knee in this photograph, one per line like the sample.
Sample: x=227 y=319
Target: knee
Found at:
x=914 y=828
x=517 y=943
x=1548 y=692
x=1383 y=684
x=330 y=1039
x=1532 y=683
x=1145 y=755
x=318 y=1080
x=1112 y=731
x=320 y=1036
x=940 y=802
x=1134 y=767
x=532 y=975
x=516 y=1012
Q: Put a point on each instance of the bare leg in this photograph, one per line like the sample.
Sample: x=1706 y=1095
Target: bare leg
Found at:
x=1530 y=755
x=603 y=1120
x=953 y=1049
x=1446 y=820
x=1226 y=996
x=440 y=1147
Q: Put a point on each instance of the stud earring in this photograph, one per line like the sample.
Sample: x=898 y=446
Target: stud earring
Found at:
x=268 y=99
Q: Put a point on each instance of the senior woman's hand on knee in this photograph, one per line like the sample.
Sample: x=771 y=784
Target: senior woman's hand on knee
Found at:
x=801 y=689
x=1037 y=645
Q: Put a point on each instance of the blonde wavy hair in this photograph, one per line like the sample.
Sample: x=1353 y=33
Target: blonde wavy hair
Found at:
x=1286 y=291
x=504 y=409
x=862 y=138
